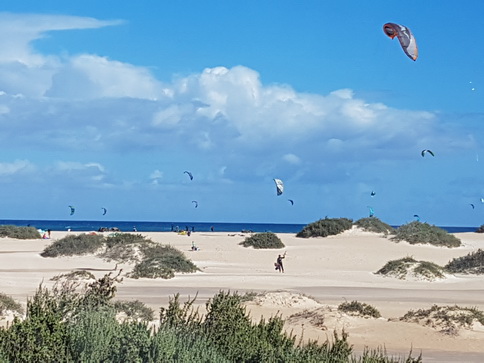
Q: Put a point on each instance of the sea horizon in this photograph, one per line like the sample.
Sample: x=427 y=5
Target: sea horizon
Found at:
x=163 y=226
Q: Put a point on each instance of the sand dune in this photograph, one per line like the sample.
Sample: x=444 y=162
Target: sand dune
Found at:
x=321 y=273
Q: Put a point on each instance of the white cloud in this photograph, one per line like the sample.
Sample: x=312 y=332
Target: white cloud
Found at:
x=17 y=167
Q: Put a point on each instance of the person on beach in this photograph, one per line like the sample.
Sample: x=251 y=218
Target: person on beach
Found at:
x=279 y=265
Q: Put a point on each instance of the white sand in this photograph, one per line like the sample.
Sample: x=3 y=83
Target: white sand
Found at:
x=321 y=273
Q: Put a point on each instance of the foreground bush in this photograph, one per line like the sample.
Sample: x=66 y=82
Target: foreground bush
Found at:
x=263 y=240
x=473 y=263
x=417 y=232
x=63 y=325
x=19 y=232
x=74 y=245
x=373 y=224
x=325 y=227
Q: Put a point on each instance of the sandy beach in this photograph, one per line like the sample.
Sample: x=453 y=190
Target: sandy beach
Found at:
x=320 y=274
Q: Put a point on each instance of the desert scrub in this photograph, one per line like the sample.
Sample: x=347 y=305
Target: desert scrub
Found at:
x=445 y=318
x=134 y=309
x=161 y=261
x=125 y=247
x=357 y=308
x=473 y=263
x=75 y=276
x=417 y=232
x=373 y=224
x=408 y=266
x=8 y=303
x=263 y=240
x=74 y=245
x=19 y=232
x=124 y=239
x=325 y=227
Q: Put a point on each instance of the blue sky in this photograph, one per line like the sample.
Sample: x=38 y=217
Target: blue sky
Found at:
x=107 y=103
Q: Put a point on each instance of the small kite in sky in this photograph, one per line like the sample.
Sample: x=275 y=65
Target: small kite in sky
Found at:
x=372 y=193
x=189 y=174
x=426 y=151
x=417 y=217
x=279 y=186
x=72 y=209
x=371 y=211
x=196 y=203
x=291 y=201
x=472 y=205
x=104 y=211
x=405 y=37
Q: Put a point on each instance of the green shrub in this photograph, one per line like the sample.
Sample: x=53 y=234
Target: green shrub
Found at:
x=161 y=261
x=124 y=239
x=403 y=267
x=263 y=240
x=19 y=232
x=362 y=309
x=134 y=309
x=8 y=303
x=473 y=263
x=373 y=224
x=74 y=275
x=325 y=227
x=74 y=245
x=417 y=232
x=480 y=229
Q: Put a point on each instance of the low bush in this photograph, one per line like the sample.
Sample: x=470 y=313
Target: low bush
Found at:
x=357 y=308
x=373 y=224
x=472 y=263
x=263 y=240
x=124 y=239
x=19 y=232
x=134 y=309
x=8 y=303
x=417 y=232
x=74 y=275
x=406 y=266
x=161 y=261
x=325 y=227
x=70 y=245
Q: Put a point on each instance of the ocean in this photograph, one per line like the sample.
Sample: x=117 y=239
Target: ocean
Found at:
x=145 y=226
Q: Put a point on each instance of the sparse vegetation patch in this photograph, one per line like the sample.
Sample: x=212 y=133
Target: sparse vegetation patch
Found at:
x=360 y=309
x=417 y=232
x=325 y=227
x=373 y=224
x=75 y=276
x=263 y=240
x=473 y=263
x=135 y=310
x=409 y=267
x=447 y=319
x=78 y=244
x=8 y=303
x=19 y=232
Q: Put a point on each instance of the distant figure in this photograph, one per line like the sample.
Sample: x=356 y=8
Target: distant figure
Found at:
x=134 y=229
x=212 y=229
x=193 y=229
x=194 y=248
x=49 y=232
x=189 y=233
x=279 y=264
x=172 y=227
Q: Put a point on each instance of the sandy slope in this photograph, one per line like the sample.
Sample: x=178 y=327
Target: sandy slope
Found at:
x=320 y=274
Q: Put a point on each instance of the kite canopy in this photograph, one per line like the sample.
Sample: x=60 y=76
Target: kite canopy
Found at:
x=371 y=211
x=72 y=209
x=427 y=151
x=189 y=174
x=291 y=201
x=196 y=203
x=417 y=217
x=405 y=37
x=279 y=186
x=104 y=211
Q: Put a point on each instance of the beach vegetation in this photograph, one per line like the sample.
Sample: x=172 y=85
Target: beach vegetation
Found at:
x=361 y=309
x=417 y=232
x=78 y=244
x=161 y=261
x=65 y=325
x=447 y=319
x=472 y=263
x=408 y=266
x=326 y=227
x=480 y=229
x=373 y=224
x=7 y=303
x=19 y=232
x=263 y=240
x=75 y=275
x=134 y=309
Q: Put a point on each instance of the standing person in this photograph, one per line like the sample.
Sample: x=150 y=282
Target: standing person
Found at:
x=49 y=232
x=280 y=266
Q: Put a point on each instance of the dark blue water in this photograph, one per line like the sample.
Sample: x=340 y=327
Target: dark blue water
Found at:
x=126 y=226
